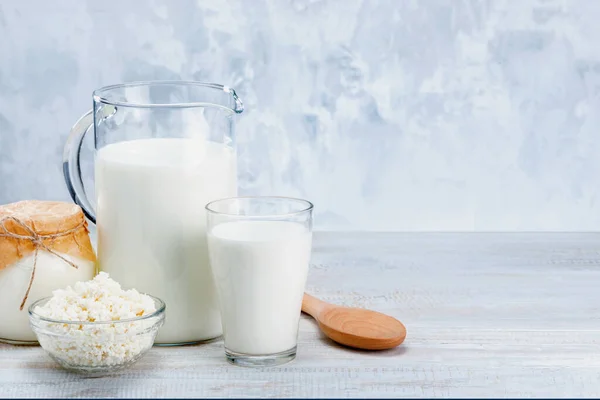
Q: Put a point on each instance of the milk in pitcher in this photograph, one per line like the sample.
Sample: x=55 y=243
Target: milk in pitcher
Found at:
x=151 y=218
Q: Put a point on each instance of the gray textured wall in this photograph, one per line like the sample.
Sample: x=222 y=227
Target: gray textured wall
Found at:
x=389 y=115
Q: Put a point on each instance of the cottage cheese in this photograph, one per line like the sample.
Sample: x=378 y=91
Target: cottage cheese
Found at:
x=100 y=339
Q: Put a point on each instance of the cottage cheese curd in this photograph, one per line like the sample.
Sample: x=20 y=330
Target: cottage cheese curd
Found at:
x=95 y=327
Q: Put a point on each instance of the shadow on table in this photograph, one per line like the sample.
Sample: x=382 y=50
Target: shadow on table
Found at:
x=40 y=371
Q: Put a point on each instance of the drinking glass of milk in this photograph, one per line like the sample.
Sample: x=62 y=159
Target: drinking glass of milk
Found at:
x=163 y=150
x=259 y=250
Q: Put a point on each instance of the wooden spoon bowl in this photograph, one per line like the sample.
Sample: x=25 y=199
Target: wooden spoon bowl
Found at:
x=355 y=327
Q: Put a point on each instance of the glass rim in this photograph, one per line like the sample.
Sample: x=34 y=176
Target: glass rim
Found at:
x=159 y=311
x=308 y=206
x=99 y=95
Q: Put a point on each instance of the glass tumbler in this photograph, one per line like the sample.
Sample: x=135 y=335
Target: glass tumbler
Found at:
x=259 y=250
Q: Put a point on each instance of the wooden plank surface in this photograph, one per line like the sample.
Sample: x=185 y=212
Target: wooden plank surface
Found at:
x=488 y=315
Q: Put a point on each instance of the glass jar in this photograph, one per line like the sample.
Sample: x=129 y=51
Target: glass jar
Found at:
x=44 y=246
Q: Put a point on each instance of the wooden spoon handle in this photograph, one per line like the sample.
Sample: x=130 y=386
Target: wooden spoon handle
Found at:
x=312 y=305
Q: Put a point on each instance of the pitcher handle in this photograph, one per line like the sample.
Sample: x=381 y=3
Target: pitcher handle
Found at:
x=72 y=167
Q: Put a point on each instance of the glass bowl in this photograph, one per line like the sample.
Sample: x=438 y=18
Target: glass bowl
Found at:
x=96 y=348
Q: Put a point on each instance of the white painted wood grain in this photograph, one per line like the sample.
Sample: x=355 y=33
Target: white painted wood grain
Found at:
x=489 y=315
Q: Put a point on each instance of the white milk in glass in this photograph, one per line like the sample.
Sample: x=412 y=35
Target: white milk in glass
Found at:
x=151 y=195
x=260 y=269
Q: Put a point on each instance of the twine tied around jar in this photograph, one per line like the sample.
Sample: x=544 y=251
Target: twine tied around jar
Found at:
x=38 y=243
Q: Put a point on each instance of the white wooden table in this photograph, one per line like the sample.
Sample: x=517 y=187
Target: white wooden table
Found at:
x=488 y=315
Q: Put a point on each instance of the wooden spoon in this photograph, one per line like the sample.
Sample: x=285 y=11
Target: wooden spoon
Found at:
x=355 y=327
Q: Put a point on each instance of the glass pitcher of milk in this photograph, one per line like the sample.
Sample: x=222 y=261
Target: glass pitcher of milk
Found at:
x=163 y=150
